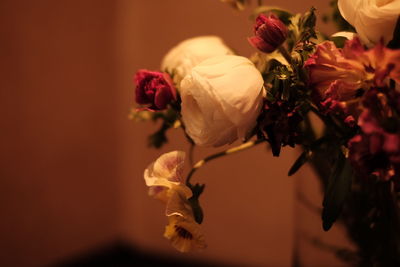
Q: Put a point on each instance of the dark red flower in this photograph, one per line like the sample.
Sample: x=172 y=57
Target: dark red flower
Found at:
x=376 y=149
x=154 y=88
x=270 y=33
x=279 y=124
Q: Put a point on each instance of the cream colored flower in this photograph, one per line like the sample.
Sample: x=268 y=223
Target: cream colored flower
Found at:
x=180 y=60
x=165 y=174
x=164 y=177
x=221 y=100
x=184 y=234
x=182 y=231
x=372 y=19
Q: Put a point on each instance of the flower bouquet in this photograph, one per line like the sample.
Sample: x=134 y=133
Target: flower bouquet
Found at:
x=349 y=80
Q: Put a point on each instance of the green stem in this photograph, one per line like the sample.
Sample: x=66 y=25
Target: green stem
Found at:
x=285 y=54
x=229 y=151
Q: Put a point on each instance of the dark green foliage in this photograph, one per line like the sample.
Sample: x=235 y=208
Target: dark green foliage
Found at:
x=338 y=187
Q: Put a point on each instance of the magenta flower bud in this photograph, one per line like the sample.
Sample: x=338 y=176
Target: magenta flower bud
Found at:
x=154 y=88
x=270 y=33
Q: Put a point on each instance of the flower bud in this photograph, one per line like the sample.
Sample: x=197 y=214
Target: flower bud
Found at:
x=154 y=88
x=270 y=33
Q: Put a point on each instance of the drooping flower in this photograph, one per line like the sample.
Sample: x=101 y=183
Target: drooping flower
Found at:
x=164 y=177
x=184 y=234
x=180 y=60
x=182 y=230
x=269 y=33
x=374 y=20
x=165 y=174
x=154 y=89
x=221 y=100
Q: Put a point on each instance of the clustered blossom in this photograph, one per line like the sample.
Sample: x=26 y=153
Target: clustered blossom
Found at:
x=269 y=33
x=353 y=83
x=339 y=77
x=279 y=125
x=376 y=150
x=164 y=178
x=155 y=89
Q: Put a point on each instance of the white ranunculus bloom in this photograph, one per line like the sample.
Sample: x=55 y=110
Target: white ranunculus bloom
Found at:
x=182 y=58
x=221 y=100
x=372 y=19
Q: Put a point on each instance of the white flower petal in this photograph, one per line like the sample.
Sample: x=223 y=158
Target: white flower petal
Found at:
x=165 y=173
x=182 y=58
x=221 y=100
x=373 y=19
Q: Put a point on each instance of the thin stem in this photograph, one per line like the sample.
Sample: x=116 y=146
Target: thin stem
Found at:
x=232 y=150
x=259 y=2
x=191 y=152
x=285 y=54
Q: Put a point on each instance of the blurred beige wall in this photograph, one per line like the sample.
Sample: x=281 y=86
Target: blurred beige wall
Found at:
x=59 y=159
x=72 y=163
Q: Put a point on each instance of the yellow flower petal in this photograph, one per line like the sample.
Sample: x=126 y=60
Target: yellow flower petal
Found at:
x=184 y=234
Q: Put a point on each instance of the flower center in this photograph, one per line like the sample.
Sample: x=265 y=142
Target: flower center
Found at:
x=380 y=3
x=182 y=232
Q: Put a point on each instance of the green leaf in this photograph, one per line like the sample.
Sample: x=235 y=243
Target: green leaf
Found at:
x=309 y=19
x=307 y=25
x=337 y=189
x=301 y=160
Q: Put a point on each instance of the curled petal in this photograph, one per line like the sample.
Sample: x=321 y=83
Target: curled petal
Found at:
x=164 y=174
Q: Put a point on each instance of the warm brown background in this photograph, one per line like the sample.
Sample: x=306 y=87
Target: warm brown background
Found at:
x=71 y=163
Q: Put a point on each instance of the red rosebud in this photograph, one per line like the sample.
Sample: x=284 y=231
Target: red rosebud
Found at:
x=154 y=88
x=270 y=33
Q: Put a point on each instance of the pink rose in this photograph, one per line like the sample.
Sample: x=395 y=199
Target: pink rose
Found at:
x=269 y=33
x=154 y=88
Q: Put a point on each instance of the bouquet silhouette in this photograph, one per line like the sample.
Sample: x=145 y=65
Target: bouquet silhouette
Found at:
x=349 y=80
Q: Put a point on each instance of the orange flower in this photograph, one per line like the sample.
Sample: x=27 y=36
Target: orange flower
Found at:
x=351 y=70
